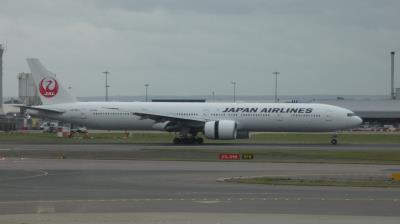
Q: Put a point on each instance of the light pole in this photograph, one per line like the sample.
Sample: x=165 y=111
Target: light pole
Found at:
x=234 y=90
x=213 y=96
x=146 y=86
x=26 y=90
x=276 y=85
x=393 y=93
x=106 y=86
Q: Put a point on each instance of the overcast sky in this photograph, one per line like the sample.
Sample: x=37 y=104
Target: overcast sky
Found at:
x=183 y=47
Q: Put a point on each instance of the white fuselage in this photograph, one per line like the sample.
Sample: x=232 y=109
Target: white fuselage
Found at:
x=253 y=117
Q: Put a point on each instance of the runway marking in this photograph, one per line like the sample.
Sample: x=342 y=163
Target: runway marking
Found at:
x=208 y=202
x=202 y=200
x=357 y=174
x=41 y=174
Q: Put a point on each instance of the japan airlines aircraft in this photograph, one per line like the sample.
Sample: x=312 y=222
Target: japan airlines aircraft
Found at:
x=214 y=120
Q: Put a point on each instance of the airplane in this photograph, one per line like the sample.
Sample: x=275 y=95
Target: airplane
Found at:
x=225 y=121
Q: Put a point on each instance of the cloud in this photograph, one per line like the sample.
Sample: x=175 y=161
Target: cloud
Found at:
x=195 y=47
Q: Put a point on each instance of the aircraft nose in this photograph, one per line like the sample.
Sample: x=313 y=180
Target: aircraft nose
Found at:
x=358 y=120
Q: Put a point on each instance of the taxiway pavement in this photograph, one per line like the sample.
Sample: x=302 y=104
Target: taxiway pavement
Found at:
x=48 y=186
x=183 y=191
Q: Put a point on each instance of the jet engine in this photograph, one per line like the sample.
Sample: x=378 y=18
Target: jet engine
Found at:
x=223 y=129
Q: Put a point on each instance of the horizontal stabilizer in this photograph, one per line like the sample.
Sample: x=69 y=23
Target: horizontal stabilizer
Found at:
x=52 y=110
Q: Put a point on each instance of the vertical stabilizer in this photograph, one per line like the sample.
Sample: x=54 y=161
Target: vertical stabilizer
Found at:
x=49 y=89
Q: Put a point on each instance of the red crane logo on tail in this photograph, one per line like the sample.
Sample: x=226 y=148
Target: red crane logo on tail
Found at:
x=48 y=87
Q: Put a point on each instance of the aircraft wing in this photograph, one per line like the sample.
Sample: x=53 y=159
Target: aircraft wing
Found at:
x=171 y=123
x=161 y=117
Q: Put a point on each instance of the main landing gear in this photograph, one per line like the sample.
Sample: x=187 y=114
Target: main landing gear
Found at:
x=188 y=136
x=192 y=140
x=334 y=139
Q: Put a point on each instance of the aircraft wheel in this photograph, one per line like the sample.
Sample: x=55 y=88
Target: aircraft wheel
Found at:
x=199 y=141
x=334 y=141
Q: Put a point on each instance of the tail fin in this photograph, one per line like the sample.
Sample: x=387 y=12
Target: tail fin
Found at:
x=49 y=89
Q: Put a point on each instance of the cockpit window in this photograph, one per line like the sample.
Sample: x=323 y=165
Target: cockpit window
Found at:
x=351 y=115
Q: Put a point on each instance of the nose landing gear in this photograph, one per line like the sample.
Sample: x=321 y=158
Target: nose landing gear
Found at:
x=334 y=139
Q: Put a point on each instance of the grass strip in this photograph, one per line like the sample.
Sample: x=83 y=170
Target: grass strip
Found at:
x=367 y=182
x=161 y=137
x=190 y=154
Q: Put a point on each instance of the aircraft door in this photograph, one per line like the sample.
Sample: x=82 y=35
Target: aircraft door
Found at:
x=206 y=114
x=77 y=114
x=328 y=116
x=83 y=115
x=278 y=117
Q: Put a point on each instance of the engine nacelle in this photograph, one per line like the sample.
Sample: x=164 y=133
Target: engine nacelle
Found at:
x=223 y=129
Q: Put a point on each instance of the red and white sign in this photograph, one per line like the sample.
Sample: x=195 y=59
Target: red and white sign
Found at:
x=229 y=156
x=48 y=87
